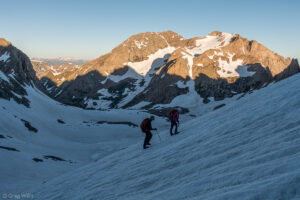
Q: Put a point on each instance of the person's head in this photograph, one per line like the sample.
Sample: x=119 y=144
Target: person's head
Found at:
x=152 y=118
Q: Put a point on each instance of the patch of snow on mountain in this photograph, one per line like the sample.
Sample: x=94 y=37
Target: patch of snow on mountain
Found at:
x=140 y=44
x=181 y=84
x=243 y=48
x=126 y=91
x=144 y=67
x=141 y=87
x=103 y=92
x=229 y=69
x=4 y=77
x=4 y=57
x=103 y=102
x=243 y=71
x=62 y=79
x=138 y=89
x=210 y=42
x=17 y=95
x=143 y=81
x=50 y=88
x=116 y=78
x=13 y=75
x=226 y=39
x=163 y=37
x=58 y=93
x=140 y=105
x=56 y=73
x=216 y=54
x=211 y=57
x=190 y=62
x=191 y=100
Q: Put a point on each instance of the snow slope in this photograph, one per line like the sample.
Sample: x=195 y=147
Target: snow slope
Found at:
x=247 y=149
x=79 y=139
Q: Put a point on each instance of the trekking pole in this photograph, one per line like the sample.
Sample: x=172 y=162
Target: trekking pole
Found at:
x=158 y=135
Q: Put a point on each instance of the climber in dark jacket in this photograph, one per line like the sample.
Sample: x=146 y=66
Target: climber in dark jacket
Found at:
x=174 y=118
x=147 y=128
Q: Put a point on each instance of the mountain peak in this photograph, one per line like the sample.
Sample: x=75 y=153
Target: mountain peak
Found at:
x=222 y=35
x=216 y=33
x=4 y=42
x=169 y=32
x=143 y=39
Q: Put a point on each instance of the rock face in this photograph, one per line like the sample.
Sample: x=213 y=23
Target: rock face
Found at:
x=16 y=73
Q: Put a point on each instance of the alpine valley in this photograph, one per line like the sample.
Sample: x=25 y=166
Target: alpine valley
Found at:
x=70 y=130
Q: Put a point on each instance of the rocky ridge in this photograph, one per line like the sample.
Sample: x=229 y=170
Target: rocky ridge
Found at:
x=16 y=74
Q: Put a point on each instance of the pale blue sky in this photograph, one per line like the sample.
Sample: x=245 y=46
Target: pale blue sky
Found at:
x=90 y=28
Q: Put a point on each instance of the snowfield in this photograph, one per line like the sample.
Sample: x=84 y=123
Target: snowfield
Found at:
x=78 y=136
x=247 y=149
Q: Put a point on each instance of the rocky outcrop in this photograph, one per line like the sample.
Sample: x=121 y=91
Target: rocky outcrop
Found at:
x=16 y=73
x=292 y=68
x=4 y=43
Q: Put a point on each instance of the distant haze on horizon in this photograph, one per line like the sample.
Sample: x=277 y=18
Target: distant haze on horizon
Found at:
x=88 y=29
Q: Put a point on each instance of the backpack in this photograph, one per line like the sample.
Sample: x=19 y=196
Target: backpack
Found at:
x=144 y=125
x=173 y=115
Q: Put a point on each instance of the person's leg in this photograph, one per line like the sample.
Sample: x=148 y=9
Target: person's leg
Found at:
x=145 y=141
x=176 y=125
x=171 y=128
x=150 y=136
